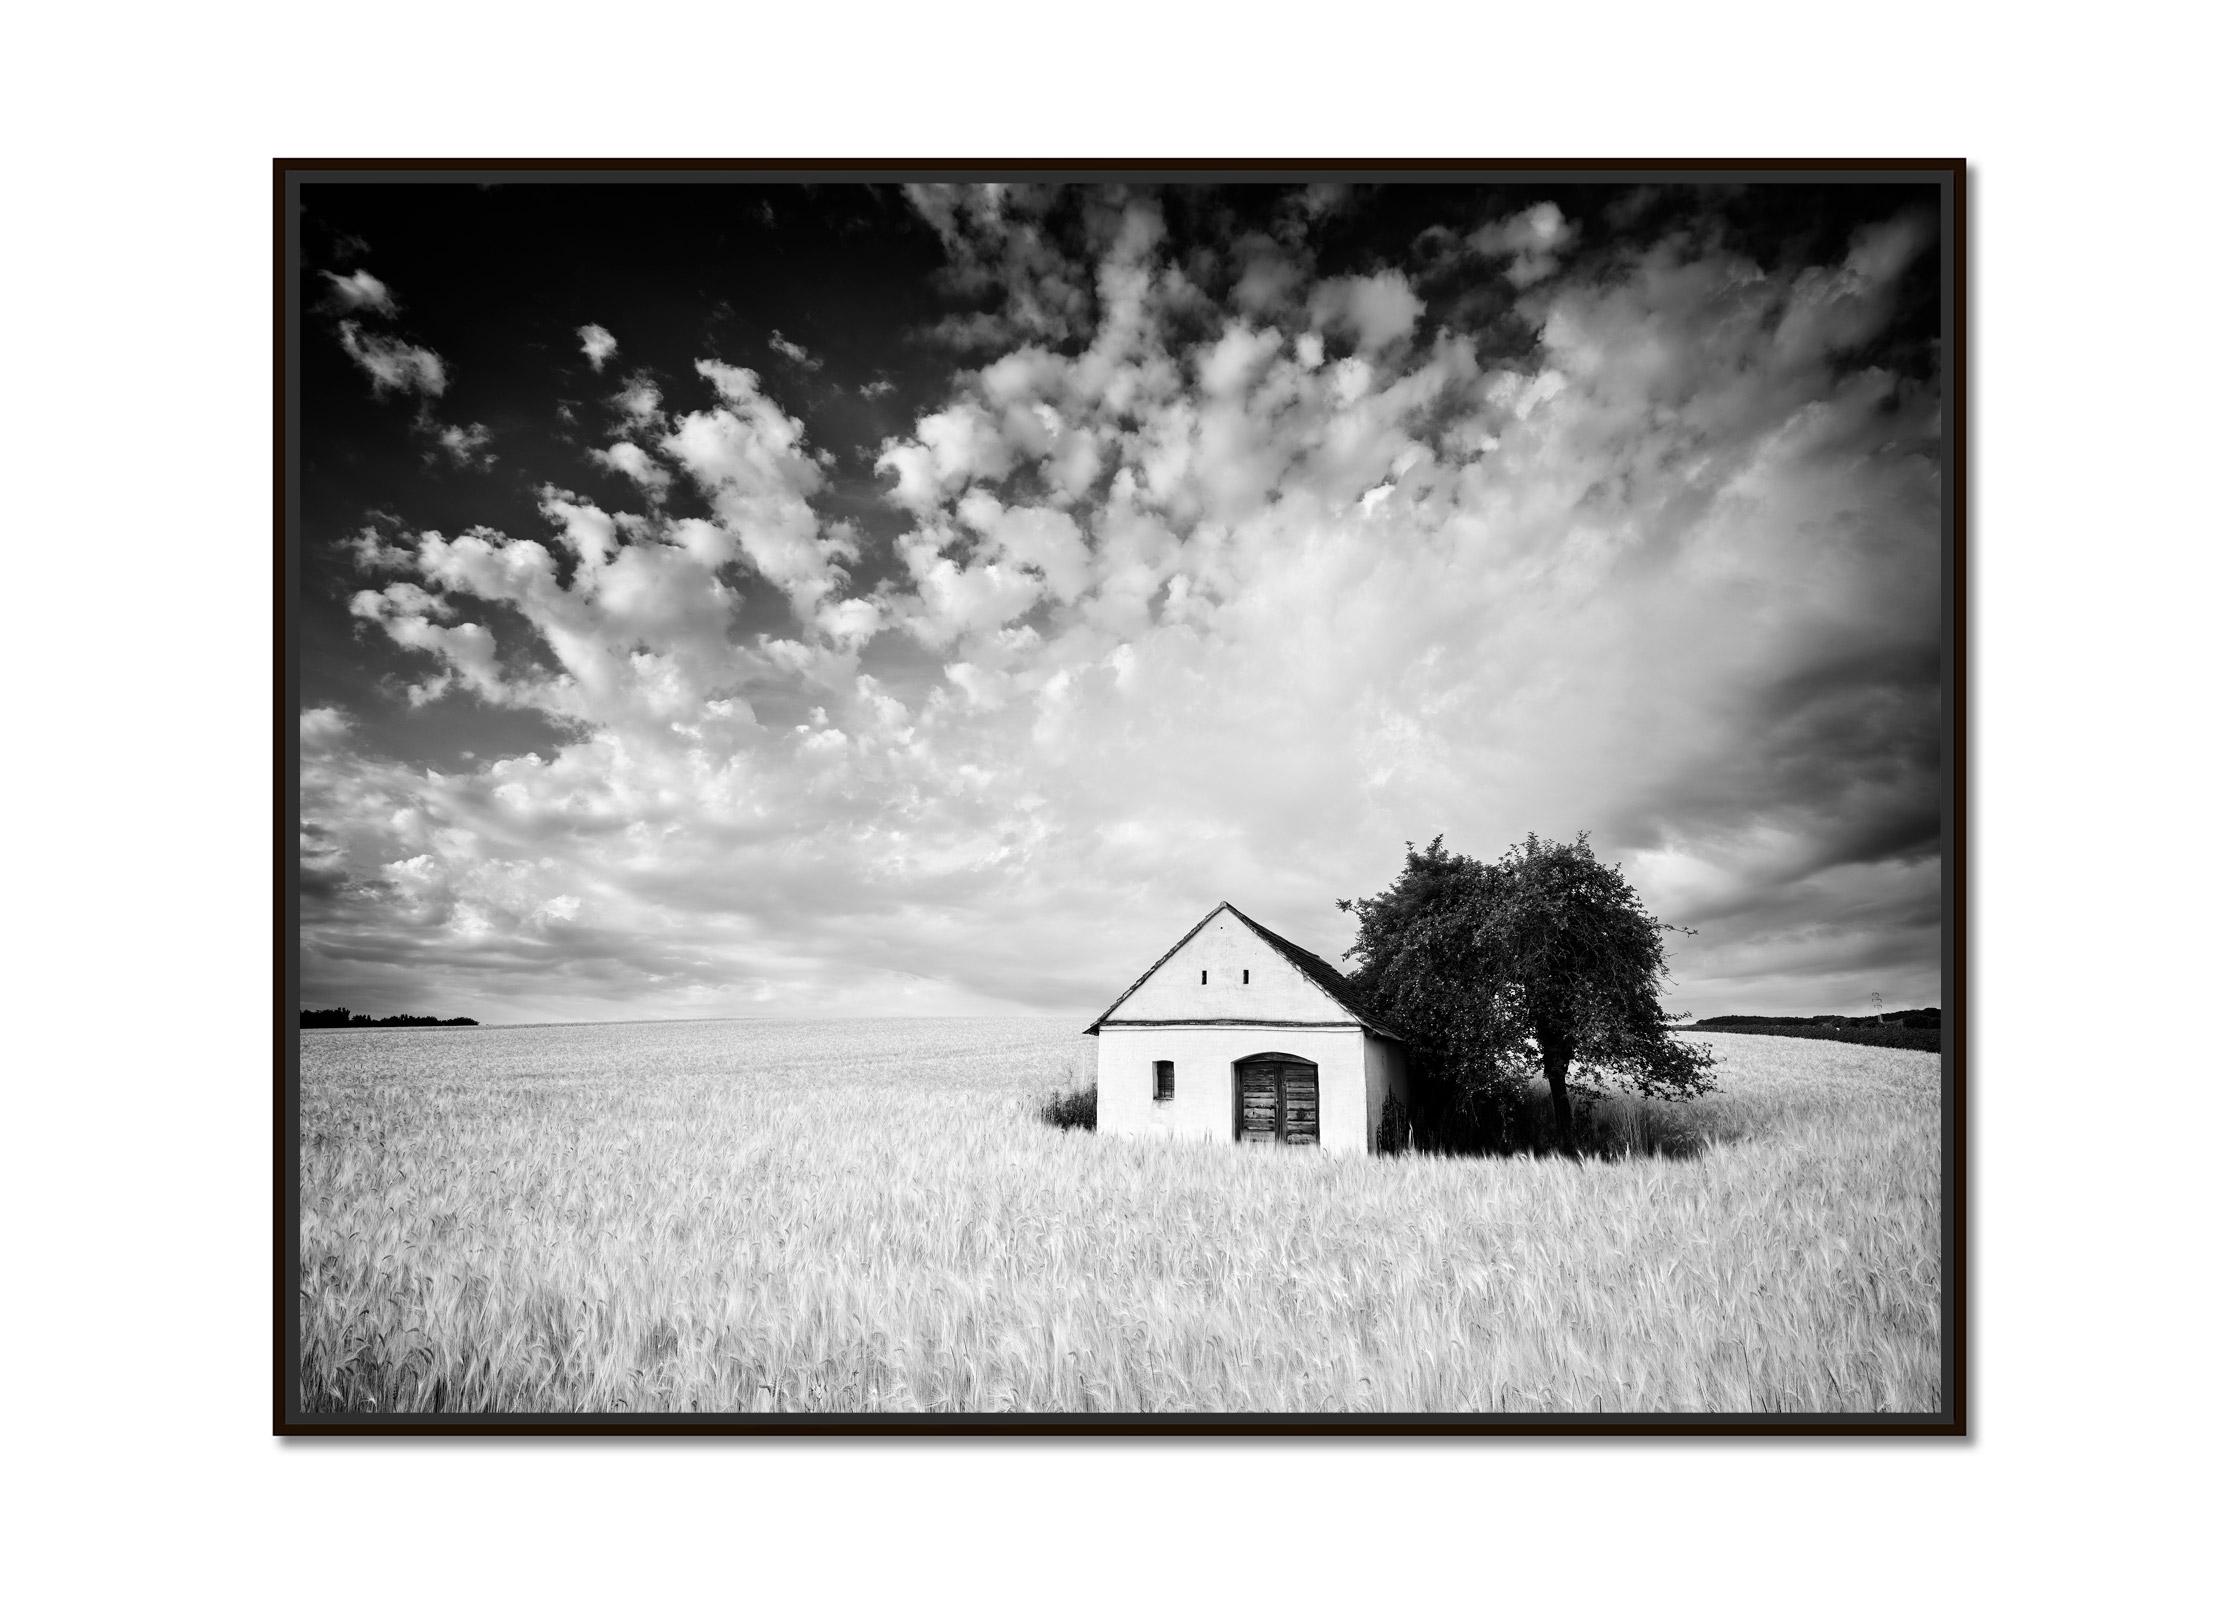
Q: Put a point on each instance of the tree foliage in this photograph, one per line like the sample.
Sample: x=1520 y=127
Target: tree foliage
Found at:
x=1542 y=963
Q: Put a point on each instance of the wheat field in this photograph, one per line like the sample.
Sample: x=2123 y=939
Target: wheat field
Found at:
x=763 y=1216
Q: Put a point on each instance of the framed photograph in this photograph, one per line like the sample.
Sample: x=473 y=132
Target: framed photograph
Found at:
x=1284 y=798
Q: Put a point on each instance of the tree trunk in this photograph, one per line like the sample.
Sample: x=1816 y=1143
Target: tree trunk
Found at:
x=1559 y=1096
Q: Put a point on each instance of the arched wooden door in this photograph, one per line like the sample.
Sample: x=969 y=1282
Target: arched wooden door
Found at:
x=1279 y=1099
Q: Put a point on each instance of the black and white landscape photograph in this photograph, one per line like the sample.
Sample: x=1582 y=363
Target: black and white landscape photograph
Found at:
x=1097 y=798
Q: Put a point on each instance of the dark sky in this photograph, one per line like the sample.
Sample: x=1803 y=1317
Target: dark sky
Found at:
x=735 y=598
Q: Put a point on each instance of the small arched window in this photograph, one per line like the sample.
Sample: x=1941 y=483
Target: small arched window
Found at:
x=1162 y=1080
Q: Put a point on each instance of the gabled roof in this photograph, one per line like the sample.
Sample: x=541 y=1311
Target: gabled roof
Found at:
x=1312 y=967
x=1325 y=977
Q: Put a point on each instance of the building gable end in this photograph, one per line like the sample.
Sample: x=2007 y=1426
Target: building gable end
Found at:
x=1295 y=987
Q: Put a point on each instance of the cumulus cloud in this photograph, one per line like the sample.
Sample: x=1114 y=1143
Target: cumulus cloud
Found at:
x=638 y=403
x=1530 y=241
x=999 y=246
x=1378 y=310
x=359 y=293
x=598 y=345
x=637 y=626
x=467 y=446
x=395 y=366
x=746 y=456
x=1201 y=596
x=322 y=726
x=632 y=461
x=793 y=352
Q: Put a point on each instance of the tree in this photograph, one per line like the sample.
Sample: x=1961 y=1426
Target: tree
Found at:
x=1543 y=962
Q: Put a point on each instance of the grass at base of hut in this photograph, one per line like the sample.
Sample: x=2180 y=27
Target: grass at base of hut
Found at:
x=724 y=1217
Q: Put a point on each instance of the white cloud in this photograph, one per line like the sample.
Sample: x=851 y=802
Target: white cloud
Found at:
x=850 y=623
x=1379 y=310
x=1531 y=241
x=393 y=364
x=467 y=446
x=639 y=633
x=952 y=448
x=639 y=403
x=956 y=599
x=1270 y=277
x=793 y=352
x=997 y=244
x=322 y=727
x=373 y=552
x=634 y=463
x=747 y=457
x=360 y=293
x=598 y=345
x=1038 y=537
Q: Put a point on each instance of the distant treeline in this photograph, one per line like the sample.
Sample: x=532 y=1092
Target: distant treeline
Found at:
x=1926 y=1017
x=1898 y=1030
x=342 y=1017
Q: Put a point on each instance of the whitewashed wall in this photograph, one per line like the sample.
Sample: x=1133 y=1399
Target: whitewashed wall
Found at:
x=1204 y=1060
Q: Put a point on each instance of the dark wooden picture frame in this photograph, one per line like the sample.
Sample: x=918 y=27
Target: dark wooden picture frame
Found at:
x=1949 y=179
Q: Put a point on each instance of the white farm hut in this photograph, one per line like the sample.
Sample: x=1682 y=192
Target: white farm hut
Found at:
x=1237 y=1033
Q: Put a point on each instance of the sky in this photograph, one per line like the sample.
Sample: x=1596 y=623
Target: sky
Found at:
x=736 y=599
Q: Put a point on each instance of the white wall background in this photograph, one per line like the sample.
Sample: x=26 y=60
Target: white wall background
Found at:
x=138 y=653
